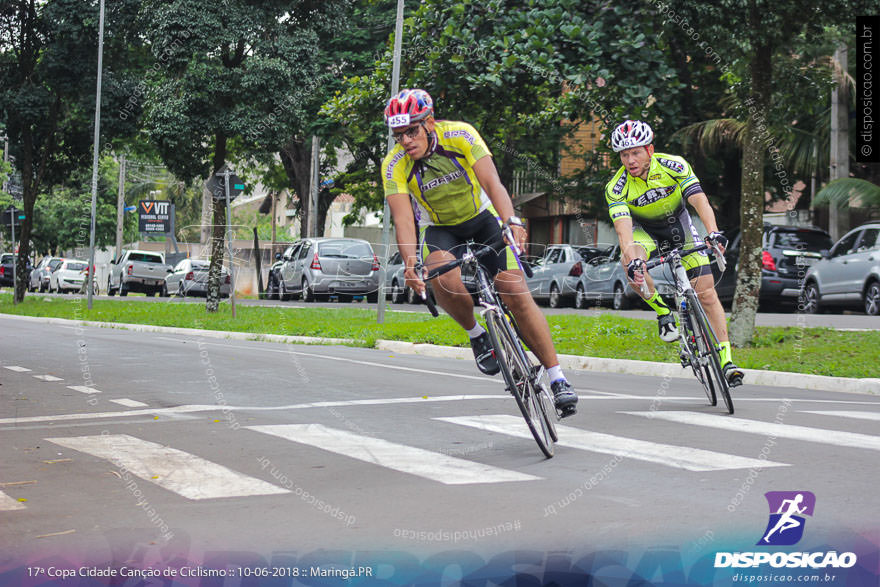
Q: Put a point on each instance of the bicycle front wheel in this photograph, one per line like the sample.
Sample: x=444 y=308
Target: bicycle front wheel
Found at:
x=517 y=373
x=710 y=351
x=691 y=347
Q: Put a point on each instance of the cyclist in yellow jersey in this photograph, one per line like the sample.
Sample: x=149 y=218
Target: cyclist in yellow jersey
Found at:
x=440 y=178
x=647 y=200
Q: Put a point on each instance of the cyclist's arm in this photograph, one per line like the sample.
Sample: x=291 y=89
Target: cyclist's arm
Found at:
x=487 y=175
x=700 y=202
x=405 y=232
x=623 y=226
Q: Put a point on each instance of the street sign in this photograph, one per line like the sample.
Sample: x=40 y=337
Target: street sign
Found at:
x=12 y=214
x=217 y=185
x=155 y=216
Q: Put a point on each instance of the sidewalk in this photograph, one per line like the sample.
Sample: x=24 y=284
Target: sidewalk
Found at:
x=570 y=362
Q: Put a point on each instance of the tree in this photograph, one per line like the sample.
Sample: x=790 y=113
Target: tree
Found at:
x=230 y=74
x=47 y=97
x=755 y=35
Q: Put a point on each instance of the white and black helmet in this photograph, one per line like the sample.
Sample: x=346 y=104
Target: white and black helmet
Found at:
x=631 y=134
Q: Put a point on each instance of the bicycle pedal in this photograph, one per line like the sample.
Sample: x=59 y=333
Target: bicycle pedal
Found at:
x=685 y=360
x=567 y=411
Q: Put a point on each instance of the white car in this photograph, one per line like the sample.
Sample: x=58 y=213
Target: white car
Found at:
x=69 y=276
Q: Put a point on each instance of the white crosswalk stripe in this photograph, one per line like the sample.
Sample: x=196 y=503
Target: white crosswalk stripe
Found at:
x=682 y=457
x=181 y=472
x=7 y=504
x=83 y=389
x=48 y=378
x=129 y=403
x=406 y=459
x=818 y=435
x=846 y=414
x=18 y=369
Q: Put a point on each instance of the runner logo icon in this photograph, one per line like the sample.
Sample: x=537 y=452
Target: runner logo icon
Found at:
x=786 y=524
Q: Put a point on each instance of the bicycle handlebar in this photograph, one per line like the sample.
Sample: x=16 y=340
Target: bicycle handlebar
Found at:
x=722 y=264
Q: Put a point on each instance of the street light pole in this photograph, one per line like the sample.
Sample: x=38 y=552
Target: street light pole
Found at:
x=91 y=274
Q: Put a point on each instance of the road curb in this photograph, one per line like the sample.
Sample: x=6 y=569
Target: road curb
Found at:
x=663 y=370
x=870 y=386
x=195 y=332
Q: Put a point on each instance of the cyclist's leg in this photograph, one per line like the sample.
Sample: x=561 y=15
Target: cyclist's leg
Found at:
x=450 y=292
x=643 y=247
x=665 y=320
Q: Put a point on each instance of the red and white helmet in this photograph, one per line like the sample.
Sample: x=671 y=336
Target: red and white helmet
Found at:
x=631 y=134
x=407 y=107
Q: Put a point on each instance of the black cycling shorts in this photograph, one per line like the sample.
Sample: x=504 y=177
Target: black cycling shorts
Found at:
x=485 y=228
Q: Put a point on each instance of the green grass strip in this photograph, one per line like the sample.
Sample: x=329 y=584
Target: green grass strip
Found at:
x=818 y=351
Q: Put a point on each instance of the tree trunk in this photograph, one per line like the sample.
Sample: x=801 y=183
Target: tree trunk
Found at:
x=217 y=231
x=29 y=197
x=296 y=156
x=748 y=283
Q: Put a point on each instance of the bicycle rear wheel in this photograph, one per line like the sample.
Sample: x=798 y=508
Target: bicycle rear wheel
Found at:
x=691 y=348
x=710 y=351
x=517 y=373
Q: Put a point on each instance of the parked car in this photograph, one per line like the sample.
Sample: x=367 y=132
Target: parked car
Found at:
x=39 y=279
x=788 y=252
x=395 y=288
x=273 y=280
x=190 y=277
x=602 y=280
x=549 y=281
x=69 y=276
x=140 y=271
x=848 y=274
x=6 y=261
x=318 y=268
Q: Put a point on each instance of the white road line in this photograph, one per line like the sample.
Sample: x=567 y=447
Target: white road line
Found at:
x=83 y=389
x=48 y=378
x=819 y=435
x=129 y=403
x=7 y=504
x=181 y=472
x=847 y=414
x=681 y=457
x=211 y=408
x=406 y=459
x=483 y=378
x=17 y=369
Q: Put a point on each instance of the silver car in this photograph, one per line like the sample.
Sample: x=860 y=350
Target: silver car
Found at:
x=550 y=274
x=602 y=279
x=318 y=268
x=848 y=275
x=39 y=279
x=190 y=277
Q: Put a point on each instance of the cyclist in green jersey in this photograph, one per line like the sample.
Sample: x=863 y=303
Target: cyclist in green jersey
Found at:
x=440 y=177
x=647 y=200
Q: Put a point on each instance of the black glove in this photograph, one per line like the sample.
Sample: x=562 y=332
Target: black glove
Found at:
x=633 y=266
x=716 y=239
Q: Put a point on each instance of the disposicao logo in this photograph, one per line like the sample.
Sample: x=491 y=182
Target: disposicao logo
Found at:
x=786 y=528
x=786 y=524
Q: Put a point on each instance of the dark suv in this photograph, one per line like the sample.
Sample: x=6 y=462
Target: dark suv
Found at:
x=788 y=253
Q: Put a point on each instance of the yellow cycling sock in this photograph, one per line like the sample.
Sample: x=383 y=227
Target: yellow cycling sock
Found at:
x=656 y=302
x=725 y=352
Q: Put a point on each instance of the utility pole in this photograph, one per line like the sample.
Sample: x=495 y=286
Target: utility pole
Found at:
x=120 y=207
x=838 y=217
x=312 y=229
x=386 y=211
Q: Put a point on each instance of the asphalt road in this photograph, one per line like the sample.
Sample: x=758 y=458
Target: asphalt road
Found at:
x=158 y=449
x=846 y=319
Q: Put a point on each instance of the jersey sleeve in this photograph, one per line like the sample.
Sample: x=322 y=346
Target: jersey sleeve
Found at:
x=616 y=198
x=394 y=173
x=681 y=171
x=465 y=138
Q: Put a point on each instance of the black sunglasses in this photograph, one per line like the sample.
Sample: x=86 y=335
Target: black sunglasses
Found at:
x=410 y=132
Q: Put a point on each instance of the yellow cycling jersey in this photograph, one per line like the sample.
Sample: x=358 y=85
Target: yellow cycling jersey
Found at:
x=654 y=201
x=443 y=185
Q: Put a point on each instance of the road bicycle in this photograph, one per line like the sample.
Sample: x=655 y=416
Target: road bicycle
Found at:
x=698 y=344
x=523 y=378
